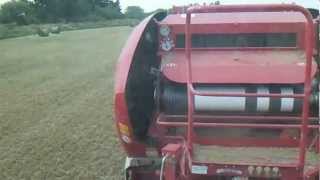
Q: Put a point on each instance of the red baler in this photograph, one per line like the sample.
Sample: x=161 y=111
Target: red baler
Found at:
x=221 y=92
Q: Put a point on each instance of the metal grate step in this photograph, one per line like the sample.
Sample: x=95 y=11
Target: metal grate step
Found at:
x=252 y=155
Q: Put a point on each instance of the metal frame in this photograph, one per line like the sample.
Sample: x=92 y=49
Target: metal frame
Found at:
x=309 y=43
x=289 y=170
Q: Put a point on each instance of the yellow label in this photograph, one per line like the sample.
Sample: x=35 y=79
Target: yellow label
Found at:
x=124 y=129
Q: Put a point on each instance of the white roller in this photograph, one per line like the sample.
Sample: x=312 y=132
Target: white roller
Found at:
x=205 y=103
x=263 y=103
x=287 y=104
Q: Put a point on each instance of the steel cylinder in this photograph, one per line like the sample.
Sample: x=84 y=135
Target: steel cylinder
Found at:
x=174 y=99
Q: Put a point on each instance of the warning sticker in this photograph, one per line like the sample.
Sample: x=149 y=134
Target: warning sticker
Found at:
x=199 y=169
x=124 y=129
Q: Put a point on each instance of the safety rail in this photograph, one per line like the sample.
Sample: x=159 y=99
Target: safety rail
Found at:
x=235 y=125
x=309 y=43
x=203 y=93
x=240 y=117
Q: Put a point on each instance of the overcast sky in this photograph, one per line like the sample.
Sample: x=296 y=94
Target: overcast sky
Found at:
x=150 y=5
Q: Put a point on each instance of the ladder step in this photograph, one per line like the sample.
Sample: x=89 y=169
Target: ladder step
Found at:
x=250 y=155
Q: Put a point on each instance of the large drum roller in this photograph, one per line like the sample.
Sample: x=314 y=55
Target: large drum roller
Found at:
x=174 y=99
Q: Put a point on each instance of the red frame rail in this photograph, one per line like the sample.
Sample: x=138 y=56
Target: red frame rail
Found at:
x=309 y=43
x=244 y=118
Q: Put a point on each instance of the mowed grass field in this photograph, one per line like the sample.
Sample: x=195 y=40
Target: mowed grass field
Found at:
x=56 y=106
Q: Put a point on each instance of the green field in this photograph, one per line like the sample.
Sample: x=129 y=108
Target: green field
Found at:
x=56 y=106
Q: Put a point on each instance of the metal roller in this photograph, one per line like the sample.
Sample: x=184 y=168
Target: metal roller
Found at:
x=174 y=100
x=205 y=103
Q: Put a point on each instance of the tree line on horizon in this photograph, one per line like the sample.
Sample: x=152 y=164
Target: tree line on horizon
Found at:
x=24 y=12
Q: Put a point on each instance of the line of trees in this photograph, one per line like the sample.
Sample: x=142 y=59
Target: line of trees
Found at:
x=25 y=12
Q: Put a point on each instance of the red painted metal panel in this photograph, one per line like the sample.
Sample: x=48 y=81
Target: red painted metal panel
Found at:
x=243 y=22
x=132 y=148
x=236 y=17
x=288 y=171
x=236 y=67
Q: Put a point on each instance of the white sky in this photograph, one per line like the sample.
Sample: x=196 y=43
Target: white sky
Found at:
x=150 y=5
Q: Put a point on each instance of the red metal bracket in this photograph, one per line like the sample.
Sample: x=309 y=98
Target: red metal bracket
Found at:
x=172 y=155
